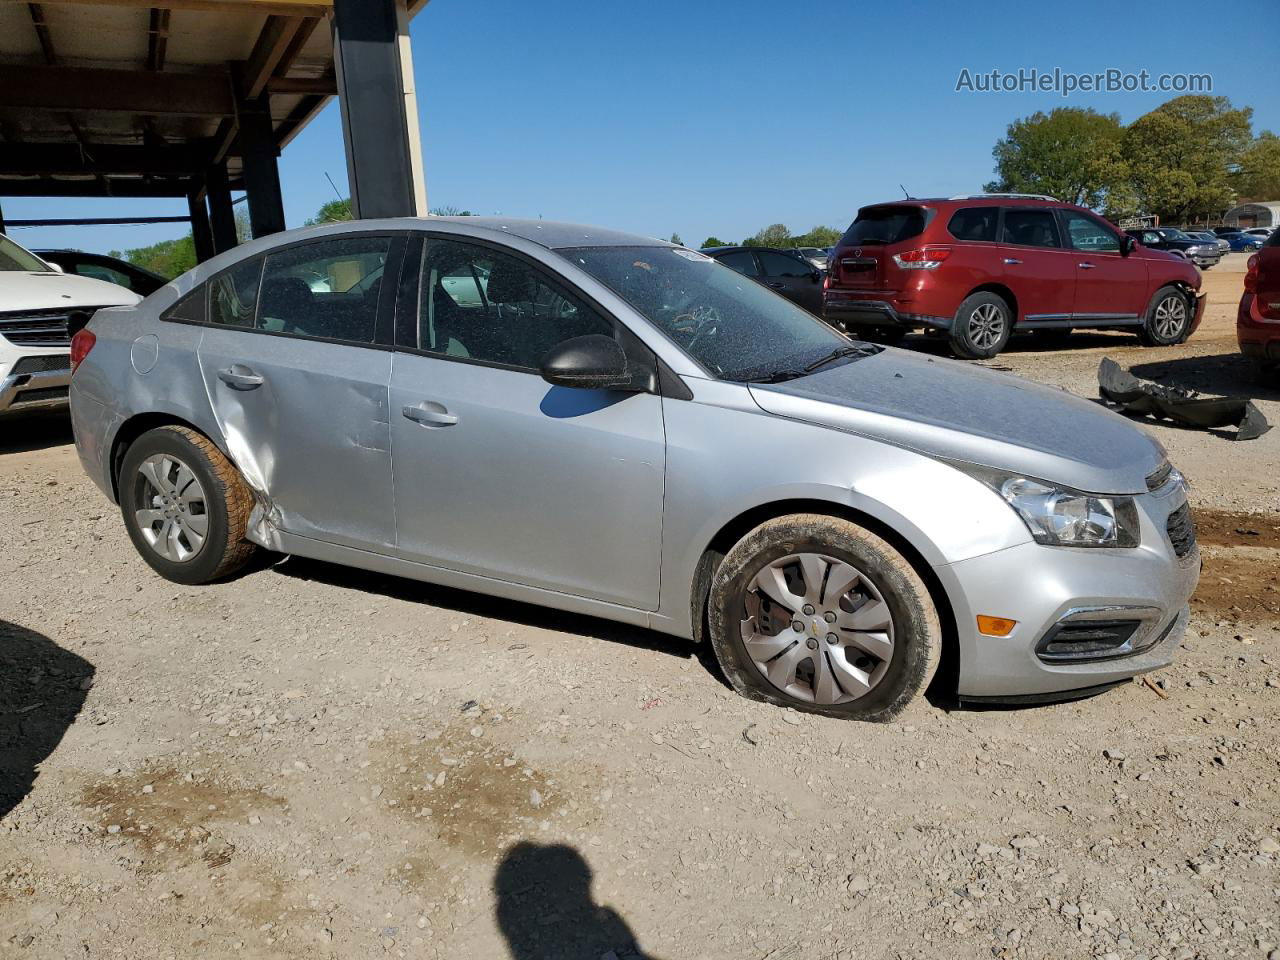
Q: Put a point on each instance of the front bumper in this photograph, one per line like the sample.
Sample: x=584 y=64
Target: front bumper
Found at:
x=1041 y=587
x=38 y=382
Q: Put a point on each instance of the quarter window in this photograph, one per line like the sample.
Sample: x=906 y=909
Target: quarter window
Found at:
x=780 y=265
x=478 y=304
x=743 y=261
x=1085 y=233
x=975 y=224
x=233 y=294
x=328 y=289
x=1030 y=228
x=190 y=308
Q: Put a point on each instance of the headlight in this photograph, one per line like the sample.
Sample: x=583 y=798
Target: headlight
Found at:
x=1060 y=516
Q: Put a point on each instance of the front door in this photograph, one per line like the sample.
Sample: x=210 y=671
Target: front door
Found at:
x=1041 y=274
x=1108 y=286
x=499 y=473
x=795 y=279
x=298 y=384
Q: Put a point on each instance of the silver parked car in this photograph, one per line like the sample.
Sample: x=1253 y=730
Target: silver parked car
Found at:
x=616 y=426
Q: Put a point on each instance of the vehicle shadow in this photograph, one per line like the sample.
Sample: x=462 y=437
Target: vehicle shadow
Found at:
x=42 y=688
x=1225 y=374
x=35 y=431
x=1031 y=343
x=497 y=608
x=545 y=910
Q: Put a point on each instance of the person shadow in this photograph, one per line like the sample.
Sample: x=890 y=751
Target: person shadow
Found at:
x=42 y=688
x=546 y=912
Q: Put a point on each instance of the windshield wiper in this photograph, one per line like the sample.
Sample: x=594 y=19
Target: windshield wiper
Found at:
x=781 y=376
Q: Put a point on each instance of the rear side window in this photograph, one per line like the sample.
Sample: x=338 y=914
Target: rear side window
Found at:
x=780 y=265
x=233 y=294
x=974 y=223
x=190 y=308
x=1030 y=228
x=328 y=289
x=742 y=261
x=884 y=225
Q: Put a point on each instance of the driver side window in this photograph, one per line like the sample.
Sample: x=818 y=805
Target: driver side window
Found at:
x=478 y=304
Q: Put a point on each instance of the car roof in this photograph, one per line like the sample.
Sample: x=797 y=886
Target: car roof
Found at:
x=785 y=251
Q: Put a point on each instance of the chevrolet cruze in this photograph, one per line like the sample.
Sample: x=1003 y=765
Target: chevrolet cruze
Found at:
x=613 y=425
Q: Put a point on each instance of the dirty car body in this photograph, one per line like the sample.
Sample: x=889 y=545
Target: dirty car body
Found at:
x=414 y=447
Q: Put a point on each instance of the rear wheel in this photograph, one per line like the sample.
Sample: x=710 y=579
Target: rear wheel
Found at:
x=982 y=327
x=818 y=613
x=185 y=506
x=1168 y=318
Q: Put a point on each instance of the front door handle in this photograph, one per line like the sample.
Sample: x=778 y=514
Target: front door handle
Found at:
x=1085 y=266
x=430 y=414
x=774 y=284
x=1012 y=261
x=239 y=377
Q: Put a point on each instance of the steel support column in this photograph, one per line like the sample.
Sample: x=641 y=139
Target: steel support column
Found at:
x=261 y=175
x=379 y=108
x=221 y=217
x=1 y=220
x=201 y=232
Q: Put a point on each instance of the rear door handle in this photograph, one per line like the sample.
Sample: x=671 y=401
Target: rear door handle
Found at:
x=239 y=377
x=774 y=284
x=1012 y=261
x=1085 y=266
x=430 y=414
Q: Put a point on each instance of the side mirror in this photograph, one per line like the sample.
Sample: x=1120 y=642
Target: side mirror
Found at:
x=816 y=275
x=55 y=267
x=593 y=362
x=1127 y=243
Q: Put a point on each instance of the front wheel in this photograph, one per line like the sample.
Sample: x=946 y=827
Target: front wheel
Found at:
x=982 y=327
x=818 y=613
x=1168 y=319
x=185 y=506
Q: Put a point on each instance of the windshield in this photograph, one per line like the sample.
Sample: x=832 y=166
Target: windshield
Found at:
x=884 y=225
x=1174 y=235
x=730 y=324
x=13 y=257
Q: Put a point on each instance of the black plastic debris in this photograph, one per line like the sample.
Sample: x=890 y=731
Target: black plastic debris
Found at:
x=1182 y=405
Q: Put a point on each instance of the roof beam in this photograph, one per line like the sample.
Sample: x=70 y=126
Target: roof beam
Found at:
x=285 y=8
x=125 y=91
x=92 y=188
x=42 y=32
x=102 y=159
x=157 y=39
x=274 y=40
x=325 y=86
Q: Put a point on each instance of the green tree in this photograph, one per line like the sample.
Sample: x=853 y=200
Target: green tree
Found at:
x=450 y=212
x=1182 y=156
x=774 y=235
x=675 y=238
x=332 y=212
x=714 y=241
x=818 y=237
x=1071 y=153
x=167 y=258
x=1258 y=178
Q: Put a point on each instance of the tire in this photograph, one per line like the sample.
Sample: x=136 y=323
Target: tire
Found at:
x=1162 y=328
x=174 y=476
x=869 y=674
x=981 y=327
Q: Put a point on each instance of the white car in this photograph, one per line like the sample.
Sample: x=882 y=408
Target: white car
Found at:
x=40 y=306
x=1262 y=232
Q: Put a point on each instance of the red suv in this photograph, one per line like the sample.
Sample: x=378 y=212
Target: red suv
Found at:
x=981 y=267
x=1258 y=320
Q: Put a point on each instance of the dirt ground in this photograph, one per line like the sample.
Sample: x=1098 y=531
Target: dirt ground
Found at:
x=309 y=761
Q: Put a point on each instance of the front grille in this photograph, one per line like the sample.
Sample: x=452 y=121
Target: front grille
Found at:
x=1157 y=479
x=41 y=364
x=1182 y=530
x=43 y=328
x=42 y=395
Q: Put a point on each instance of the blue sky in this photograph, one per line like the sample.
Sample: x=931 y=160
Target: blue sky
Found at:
x=722 y=116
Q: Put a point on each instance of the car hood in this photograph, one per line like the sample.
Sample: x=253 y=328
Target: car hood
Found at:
x=959 y=411
x=20 y=290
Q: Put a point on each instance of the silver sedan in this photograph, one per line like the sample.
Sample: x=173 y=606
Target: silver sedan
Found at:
x=613 y=425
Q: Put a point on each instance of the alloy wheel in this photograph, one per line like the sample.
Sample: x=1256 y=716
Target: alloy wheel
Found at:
x=170 y=508
x=986 y=326
x=1170 y=317
x=817 y=628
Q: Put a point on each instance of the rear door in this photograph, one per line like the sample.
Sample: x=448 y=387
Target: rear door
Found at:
x=296 y=359
x=1037 y=269
x=794 y=278
x=1108 y=286
x=497 y=472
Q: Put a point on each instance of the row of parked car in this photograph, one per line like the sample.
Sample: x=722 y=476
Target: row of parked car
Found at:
x=979 y=268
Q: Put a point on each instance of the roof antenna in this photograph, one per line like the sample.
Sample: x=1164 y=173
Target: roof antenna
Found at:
x=904 y=192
